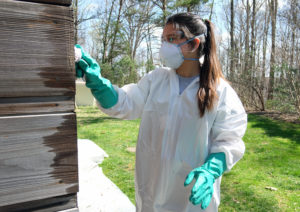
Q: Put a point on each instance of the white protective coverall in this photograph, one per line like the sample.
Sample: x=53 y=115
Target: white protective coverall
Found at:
x=173 y=139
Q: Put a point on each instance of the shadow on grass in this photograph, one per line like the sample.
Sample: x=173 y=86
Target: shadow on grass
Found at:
x=276 y=128
x=89 y=120
x=88 y=111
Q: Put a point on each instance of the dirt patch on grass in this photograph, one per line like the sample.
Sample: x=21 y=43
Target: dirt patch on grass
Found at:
x=131 y=149
x=291 y=118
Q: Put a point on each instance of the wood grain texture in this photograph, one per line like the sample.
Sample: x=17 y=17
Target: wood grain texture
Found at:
x=36 y=105
x=57 y=2
x=38 y=157
x=37 y=55
x=58 y=203
x=38 y=139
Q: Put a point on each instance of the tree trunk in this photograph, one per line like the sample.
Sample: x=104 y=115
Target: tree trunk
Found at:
x=75 y=8
x=232 y=45
x=149 y=50
x=211 y=9
x=265 y=41
x=253 y=50
x=110 y=55
x=294 y=6
x=164 y=5
x=253 y=37
x=246 y=71
x=105 y=36
x=273 y=11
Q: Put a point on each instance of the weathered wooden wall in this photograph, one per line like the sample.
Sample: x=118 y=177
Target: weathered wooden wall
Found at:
x=57 y=2
x=38 y=140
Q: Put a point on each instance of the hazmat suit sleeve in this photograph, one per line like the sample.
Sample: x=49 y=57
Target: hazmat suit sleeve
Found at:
x=131 y=101
x=229 y=126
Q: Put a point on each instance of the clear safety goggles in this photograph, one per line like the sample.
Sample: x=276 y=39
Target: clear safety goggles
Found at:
x=172 y=37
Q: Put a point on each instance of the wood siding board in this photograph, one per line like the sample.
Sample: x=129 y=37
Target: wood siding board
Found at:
x=57 y=2
x=38 y=157
x=36 y=105
x=46 y=205
x=38 y=130
x=37 y=55
x=33 y=108
x=37 y=83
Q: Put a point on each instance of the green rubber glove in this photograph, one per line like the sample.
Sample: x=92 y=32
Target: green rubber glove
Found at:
x=101 y=88
x=205 y=177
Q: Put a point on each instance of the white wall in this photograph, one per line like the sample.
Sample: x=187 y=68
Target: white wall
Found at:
x=83 y=95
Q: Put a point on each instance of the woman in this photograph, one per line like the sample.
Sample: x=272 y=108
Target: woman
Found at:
x=192 y=121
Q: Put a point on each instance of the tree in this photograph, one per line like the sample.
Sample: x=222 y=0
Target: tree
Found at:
x=232 y=42
x=189 y=4
x=163 y=5
x=246 y=56
x=115 y=33
x=211 y=9
x=265 y=41
x=106 y=35
x=273 y=11
x=136 y=24
x=82 y=13
x=254 y=48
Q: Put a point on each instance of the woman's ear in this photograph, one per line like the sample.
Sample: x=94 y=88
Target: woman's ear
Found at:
x=196 y=43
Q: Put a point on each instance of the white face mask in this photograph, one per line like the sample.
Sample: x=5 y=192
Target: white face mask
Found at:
x=171 y=54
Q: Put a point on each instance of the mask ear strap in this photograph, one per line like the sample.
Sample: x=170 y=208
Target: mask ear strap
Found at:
x=191 y=39
x=193 y=59
x=185 y=42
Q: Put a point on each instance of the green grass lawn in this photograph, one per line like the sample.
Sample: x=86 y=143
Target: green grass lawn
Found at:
x=272 y=159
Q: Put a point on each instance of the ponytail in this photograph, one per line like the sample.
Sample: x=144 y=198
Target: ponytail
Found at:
x=210 y=73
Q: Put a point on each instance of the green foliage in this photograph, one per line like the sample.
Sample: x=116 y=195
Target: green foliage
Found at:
x=278 y=104
x=107 y=71
x=286 y=95
x=127 y=68
x=271 y=160
x=189 y=4
x=121 y=72
x=149 y=66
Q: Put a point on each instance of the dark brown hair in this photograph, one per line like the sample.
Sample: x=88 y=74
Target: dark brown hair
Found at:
x=210 y=72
